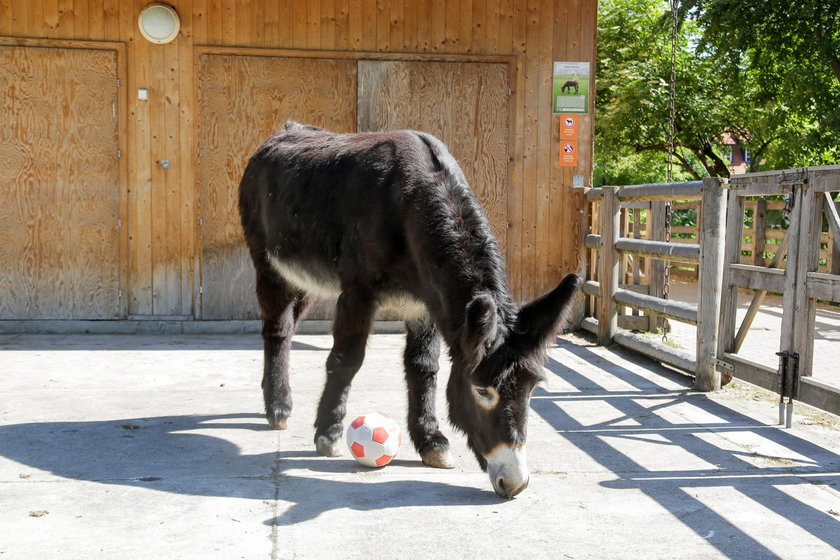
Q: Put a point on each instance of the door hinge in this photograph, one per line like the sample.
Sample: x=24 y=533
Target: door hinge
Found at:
x=119 y=222
x=119 y=154
x=119 y=83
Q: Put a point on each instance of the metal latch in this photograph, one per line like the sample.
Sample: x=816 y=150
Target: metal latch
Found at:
x=789 y=377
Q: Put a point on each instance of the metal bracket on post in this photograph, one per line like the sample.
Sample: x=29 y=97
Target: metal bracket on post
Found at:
x=789 y=387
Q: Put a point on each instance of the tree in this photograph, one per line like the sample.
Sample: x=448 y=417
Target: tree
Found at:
x=794 y=50
x=718 y=91
x=804 y=33
x=634 y=70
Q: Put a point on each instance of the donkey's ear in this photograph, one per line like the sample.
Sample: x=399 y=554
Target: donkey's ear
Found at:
x=541 y=319
x=480 y=326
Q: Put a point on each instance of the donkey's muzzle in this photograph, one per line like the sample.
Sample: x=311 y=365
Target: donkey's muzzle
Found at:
x=508 y=469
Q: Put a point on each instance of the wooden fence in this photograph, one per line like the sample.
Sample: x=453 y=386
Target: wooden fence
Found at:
x=627 y=247
x=765 y=226
x=612 y=247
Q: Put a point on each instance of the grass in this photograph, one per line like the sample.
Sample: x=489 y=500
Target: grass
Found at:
x=665 y=341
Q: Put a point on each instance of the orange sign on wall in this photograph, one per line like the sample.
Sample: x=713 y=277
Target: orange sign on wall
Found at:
x=568 y=152
x=568 y=127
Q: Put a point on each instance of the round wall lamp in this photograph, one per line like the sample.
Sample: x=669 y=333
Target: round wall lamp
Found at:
x=159 y=23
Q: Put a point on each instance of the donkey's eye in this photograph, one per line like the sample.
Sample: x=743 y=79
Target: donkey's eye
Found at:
x=486 y=397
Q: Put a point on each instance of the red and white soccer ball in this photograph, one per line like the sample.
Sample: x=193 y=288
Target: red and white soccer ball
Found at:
x=374 y=439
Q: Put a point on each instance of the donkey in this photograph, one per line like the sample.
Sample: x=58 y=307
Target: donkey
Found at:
x=567 y=87
x=388 y=220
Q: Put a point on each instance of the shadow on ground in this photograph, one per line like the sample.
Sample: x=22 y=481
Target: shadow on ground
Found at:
x=171 y=454
x=675 y=490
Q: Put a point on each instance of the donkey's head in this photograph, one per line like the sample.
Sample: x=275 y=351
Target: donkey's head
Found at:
x=494 y=375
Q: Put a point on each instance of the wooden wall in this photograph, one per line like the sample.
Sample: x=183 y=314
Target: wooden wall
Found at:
x=545 y=224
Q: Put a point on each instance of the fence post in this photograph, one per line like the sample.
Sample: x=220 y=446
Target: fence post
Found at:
x=808 y=260
x=713 y=230
x=608 y=273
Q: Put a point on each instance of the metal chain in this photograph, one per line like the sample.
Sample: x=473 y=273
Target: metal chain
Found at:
x=672 y=117
x=672 y=93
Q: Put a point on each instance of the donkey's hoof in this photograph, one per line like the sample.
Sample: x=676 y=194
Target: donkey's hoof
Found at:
x=326 y=447
x=275 y=421
x=438 y=457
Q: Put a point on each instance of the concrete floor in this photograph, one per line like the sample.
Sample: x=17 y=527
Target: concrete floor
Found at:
x=150 y=446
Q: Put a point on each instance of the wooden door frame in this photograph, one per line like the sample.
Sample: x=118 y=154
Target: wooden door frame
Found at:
x=125 y=172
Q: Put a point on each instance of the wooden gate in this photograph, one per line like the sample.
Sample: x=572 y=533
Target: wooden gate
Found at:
x=809 y=193
x=466 y=104
x=60 y=183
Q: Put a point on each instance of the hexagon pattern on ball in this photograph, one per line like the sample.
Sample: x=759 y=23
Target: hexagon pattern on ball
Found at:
x=374 y=439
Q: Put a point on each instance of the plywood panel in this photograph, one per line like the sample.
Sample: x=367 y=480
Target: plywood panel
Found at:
x=465 y=104
x=243 y=100
x=59 y=184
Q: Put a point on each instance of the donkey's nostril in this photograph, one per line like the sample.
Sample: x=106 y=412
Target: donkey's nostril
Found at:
x=505 y=490
x=501 y=489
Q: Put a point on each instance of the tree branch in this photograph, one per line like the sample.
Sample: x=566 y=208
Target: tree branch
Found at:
x=686 y=165
x=833 y=59
x=719 y=167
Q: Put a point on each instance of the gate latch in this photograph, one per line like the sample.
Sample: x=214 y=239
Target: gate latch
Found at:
x=789 y=387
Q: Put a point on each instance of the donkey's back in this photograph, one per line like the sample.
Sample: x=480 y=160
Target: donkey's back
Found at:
x=327 y=210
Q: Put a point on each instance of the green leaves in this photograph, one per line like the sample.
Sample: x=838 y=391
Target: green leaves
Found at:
x=760 y=70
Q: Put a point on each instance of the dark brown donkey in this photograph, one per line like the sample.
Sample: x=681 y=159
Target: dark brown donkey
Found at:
x=388 y=220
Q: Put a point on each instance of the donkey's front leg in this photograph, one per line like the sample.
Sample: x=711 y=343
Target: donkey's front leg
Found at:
x=422 y=352
x=353 y=318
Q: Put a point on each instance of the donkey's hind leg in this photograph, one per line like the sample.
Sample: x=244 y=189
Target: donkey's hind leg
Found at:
x=278 y=301
x=353 y=319
x=422 y=351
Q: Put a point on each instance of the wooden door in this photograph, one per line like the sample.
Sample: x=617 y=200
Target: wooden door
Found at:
x=59 y=184
x=465 y=104
x=242 y=101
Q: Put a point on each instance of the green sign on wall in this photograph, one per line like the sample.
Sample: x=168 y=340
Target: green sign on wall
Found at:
x=571 y=87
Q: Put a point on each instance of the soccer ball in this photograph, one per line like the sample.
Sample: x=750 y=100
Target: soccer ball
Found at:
x=374 y=439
